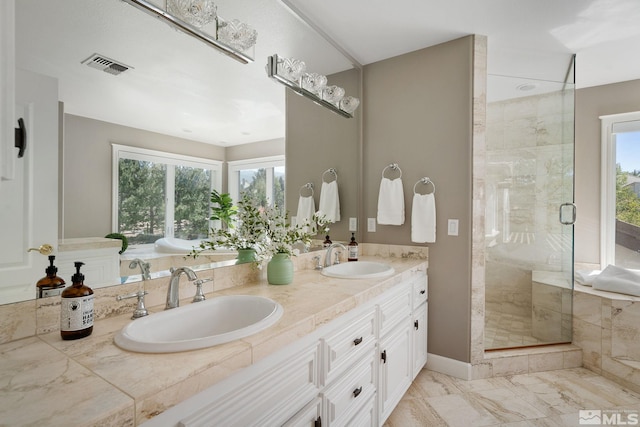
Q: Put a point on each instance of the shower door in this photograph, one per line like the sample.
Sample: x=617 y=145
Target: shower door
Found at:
x=529 y=212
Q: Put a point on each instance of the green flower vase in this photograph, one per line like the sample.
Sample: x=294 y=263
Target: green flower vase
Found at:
x=245 y=256
x=280 y=270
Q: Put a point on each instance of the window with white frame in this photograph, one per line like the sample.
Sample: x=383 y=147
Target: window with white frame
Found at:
x=263 y=177
x=158 y=194
x=620 y=210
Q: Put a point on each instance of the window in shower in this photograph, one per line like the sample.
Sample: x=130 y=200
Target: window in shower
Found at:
x=621 y=190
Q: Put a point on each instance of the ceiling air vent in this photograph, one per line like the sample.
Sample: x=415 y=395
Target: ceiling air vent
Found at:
x=101 y=62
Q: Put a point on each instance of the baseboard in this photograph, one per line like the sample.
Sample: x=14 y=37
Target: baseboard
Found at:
x=448 y=366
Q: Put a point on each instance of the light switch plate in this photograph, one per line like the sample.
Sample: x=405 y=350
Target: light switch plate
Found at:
x=452 y=227
x=353 y=224
x=371 y=225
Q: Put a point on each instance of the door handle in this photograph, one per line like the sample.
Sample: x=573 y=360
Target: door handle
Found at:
x=561 y=213
x=21 y=139
x=45 y=249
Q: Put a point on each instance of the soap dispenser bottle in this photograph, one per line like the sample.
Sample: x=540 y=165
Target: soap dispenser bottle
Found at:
x=353 y=248
x=51 y=284
x=327 y=242
x=76 y=315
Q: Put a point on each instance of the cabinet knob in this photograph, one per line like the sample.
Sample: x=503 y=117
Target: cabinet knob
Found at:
x=357 y=391
x=416 y=325
x=422 y=292
x=357 y=341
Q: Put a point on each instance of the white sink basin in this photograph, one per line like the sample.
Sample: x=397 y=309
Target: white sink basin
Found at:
x=199 y=325
x=359 y=270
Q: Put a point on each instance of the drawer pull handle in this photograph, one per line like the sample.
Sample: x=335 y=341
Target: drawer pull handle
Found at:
x=318 y=422
x=415 y=325
x=383 y=356
x=357 y=341
x=357 y=391
x=422 y=292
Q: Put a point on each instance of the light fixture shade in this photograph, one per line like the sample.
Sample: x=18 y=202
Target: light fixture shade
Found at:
x=314 y=82
x=236 y=34
x=291 y=69
x=195 y=12
x=333 y=94
x=349 y=104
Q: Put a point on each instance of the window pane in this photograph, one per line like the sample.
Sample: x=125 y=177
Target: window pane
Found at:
x=254 y=181
x=628 y=200
x=141 y=200
x=192 y=201
x=278 y=186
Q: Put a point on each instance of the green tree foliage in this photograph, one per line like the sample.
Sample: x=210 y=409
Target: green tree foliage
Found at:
x=141 y=199
x=257 y=190
x=627 y=202
x=192 y=193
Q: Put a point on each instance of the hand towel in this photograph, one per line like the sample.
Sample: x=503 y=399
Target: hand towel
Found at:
x=617 y=279
x=306 y=209
x=329 y=201
x=391 y=202
x=423 y=218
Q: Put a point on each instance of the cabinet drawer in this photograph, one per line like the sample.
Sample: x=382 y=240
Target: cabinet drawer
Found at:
x=396 y=308
x=270 y=398
x=367 y=416
x=420 y=291
x=344 y=346
x=346 y=397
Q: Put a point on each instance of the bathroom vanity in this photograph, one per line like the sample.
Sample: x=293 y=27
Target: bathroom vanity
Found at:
x=307 y=366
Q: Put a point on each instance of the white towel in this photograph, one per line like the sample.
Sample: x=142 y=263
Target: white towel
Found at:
x=391 y=202
x=586 y=277
x=306 y=209
x=423 y=218
x=329 y=201
x=617 y=279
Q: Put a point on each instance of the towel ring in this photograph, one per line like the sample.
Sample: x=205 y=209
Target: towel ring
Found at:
x=424 y=180
x=307 y=186
x=393 y=166
x=332 y=171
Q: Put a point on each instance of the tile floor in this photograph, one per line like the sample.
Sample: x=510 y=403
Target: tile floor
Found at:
x=552 y=398
x=504 y=330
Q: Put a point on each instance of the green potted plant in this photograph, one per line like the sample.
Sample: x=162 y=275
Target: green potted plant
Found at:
x=280 y=237
x=242 y=235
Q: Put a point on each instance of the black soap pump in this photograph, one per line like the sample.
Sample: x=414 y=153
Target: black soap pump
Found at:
x=353 y=248
x=76 y=315
x=51 y=284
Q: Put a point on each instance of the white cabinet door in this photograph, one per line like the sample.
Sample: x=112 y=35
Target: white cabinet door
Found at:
x=396 y=367
x=29 y=202
x=419 y=339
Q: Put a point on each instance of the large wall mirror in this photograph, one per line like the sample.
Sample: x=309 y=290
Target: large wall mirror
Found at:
x=178 y=95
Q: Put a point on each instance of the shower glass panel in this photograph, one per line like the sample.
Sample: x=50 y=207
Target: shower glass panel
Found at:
x=529 y=177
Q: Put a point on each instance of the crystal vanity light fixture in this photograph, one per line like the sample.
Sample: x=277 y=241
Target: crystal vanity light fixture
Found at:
x=293 y=74
x=232 y=37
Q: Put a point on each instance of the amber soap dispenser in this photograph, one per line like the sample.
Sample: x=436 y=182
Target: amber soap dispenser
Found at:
x=51 y=284
x=76 y=315
x=353 y=248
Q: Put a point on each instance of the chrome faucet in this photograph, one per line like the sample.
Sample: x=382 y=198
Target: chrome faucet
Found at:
x=173 y=293
x=327 y=257
x=144 y=268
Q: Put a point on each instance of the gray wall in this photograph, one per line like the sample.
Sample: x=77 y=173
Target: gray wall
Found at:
x=318 y=139
x=86 y=172
x=591 y=103
x=418 y=113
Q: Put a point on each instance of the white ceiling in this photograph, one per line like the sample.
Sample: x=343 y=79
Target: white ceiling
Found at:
x=178 y=86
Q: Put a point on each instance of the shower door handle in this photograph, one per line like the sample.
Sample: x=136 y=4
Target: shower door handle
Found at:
x=563 y=215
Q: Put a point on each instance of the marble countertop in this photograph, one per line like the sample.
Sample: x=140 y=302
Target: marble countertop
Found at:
x=45 y=380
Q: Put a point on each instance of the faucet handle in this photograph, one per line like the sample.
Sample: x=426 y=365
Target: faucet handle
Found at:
x=199 y=296
x=318 y=264
x=140 y=310
x=337 y=257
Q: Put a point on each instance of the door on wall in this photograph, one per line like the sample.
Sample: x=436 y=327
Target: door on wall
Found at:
x=529 y=212
x=29 y=202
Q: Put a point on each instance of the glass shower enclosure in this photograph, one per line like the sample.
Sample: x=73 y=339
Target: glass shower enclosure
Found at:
x=529 y=212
